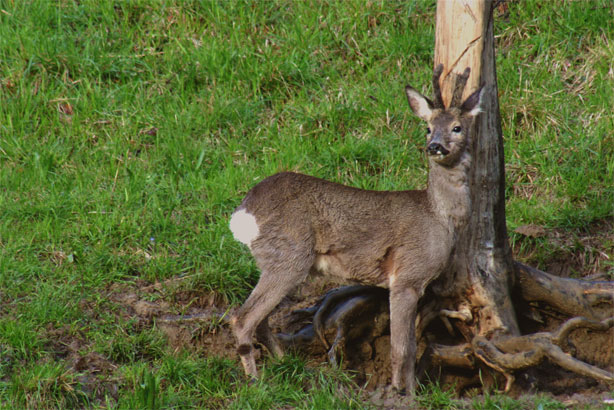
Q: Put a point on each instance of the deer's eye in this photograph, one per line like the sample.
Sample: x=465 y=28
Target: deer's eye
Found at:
x=456 y=129
x=428 y=130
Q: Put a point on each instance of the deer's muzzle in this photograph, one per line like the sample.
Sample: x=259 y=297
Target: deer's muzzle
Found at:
x=436 y=149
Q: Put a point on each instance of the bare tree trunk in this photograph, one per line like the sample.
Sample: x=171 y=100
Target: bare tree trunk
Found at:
x=477 y=288
x=464 y=38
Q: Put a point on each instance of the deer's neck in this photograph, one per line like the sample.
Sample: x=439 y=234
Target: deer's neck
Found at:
x=448 y=192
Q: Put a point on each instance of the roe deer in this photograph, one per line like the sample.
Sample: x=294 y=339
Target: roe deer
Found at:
x=295 y=224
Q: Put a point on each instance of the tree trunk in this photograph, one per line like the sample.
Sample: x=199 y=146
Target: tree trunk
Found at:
x=464 y=38
x=477 y=288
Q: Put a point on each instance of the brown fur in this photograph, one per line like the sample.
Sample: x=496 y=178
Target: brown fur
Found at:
x=398 y=240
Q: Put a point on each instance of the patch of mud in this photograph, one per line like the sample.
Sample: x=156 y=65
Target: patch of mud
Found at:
x=74 y=348
x=194 y=320
x=92 y=362
x=94 y=369
x=206 y=331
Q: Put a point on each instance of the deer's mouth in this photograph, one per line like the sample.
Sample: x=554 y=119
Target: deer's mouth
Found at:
x=435 y=149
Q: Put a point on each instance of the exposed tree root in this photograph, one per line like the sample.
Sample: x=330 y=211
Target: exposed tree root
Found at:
x=426 y=314
x=573 y=297
x=455 y=356
x=591 y=302
x=507 y=354
x=352 y=312
x=591 y=305
x=353 y=297
x=512 y=353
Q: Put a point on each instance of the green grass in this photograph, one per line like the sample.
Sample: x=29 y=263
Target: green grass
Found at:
x=130 y=130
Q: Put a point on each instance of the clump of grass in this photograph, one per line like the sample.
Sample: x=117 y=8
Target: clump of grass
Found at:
x=19 y=341
x=44 y=385
x=547 y=403
x=128 y=347
x=289 y=382
x=217 y=383
x=433 y=396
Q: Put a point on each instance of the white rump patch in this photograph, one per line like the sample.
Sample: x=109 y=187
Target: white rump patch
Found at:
x=244 y=227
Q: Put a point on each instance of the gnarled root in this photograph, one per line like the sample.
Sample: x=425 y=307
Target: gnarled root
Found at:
x=573 y=297
x=352 y=312
x=437 y=355
x=511 y=353
x=347 y=295
x=507 y=354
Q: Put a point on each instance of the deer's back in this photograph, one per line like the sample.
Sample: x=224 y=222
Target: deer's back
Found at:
x=354 y=233
x=292 y=199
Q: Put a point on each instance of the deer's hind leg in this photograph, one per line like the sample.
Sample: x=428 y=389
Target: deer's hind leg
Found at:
x=280 y=274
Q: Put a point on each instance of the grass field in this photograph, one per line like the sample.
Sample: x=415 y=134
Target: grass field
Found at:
x=129 y=131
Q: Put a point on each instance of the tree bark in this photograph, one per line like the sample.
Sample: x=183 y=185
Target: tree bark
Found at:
x=478 y=285
x=464 y=38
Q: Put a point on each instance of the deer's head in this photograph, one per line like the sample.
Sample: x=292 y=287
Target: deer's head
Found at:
x=448 y=128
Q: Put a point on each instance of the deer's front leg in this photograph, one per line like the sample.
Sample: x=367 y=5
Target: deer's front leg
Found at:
x=403 y=305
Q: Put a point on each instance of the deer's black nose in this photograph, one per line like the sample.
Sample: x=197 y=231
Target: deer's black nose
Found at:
x=436 y=149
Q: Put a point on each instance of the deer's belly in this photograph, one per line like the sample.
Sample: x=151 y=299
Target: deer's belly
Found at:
x=350 y=269
x=331 y=265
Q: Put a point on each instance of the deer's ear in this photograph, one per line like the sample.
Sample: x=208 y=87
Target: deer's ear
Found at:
x=420 y=105
x=473 y=104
